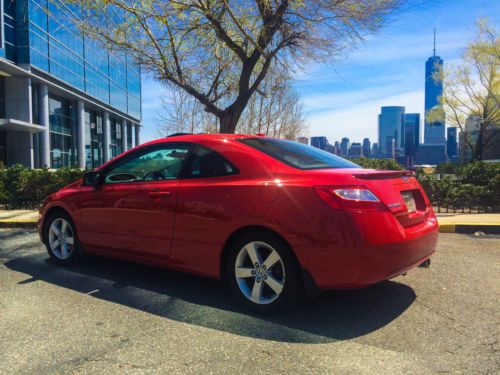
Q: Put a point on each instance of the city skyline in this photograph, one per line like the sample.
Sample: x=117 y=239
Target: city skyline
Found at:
x=387 y=69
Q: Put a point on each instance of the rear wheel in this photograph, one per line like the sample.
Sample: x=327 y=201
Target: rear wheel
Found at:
x=61 y=239
x=263 y=272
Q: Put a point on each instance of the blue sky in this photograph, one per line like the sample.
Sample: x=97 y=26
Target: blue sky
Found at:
x=344 y=97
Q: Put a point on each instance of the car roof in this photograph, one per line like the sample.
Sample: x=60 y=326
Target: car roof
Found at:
x=199 y=137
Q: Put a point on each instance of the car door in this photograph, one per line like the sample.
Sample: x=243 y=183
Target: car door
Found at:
x=132 y=210
x=209 y=201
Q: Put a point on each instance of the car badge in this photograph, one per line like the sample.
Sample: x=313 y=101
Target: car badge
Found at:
x=392 y=205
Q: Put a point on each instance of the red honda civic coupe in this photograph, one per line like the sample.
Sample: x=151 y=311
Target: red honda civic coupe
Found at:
x=271 y=217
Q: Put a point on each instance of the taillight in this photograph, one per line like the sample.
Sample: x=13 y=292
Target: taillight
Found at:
x=350 y=198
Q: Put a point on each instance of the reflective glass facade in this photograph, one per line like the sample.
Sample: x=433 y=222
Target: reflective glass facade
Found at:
x=115 y=144
x=93 y=139
x=435 y=131
x=62 y=133
x=391 y=129
x=42 y=33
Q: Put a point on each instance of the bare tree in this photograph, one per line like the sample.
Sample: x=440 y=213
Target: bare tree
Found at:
x=275 y=110
x=182 y=113
x=471 y=92
x=218 y=51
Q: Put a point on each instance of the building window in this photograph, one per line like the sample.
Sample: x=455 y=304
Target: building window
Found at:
x=115 y=130
x=62 y=133
x=56 y=46
x=129 y=136
x=93 y=139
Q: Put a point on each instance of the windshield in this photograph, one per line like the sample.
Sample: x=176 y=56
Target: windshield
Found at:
x=297 y=154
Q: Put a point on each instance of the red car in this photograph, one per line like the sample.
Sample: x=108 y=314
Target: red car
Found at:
x=271 y=217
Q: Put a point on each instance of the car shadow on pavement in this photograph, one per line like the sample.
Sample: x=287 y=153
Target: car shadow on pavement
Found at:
x=336 y=315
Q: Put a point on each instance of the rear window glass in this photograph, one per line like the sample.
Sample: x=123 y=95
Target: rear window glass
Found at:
x=208 y=163
x=297 y=154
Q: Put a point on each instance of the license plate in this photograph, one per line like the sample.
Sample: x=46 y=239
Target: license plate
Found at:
x=409 y=201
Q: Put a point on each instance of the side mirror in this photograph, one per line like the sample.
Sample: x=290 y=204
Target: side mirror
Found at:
x=91 y=178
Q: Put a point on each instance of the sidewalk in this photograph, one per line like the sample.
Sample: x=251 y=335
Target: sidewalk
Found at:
x=448 y=222
x=469 y=223
x=18 y=218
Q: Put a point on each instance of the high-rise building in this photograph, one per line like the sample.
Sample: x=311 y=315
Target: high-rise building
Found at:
x=366 y=148
x=64 y=101
x=344 y=147
x=430 y=154
x=412 y=137
x=434 y=130
x=319 y=142
x=331 y=149
x=451 y=143
x=303 y=140
x=356 y=150
x=391 y=127
x=375 y=149
x=337 y=148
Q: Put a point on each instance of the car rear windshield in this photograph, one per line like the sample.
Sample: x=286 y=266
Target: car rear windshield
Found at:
x=297 y=154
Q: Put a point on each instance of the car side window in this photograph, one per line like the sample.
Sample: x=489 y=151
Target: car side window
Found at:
x=208 y=163
x=160 y=163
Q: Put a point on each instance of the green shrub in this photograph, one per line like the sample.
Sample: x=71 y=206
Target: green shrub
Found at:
x=447 y=168
x=21 y=187
x=476 y=182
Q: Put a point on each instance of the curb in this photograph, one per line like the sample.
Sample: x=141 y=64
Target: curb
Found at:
x=469 y=228
x=18 y=224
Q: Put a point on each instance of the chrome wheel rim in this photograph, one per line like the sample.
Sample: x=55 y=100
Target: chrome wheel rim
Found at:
x=61 y=238
x=259 y=272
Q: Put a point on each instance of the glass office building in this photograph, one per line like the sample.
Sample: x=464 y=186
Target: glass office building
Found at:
x=64 y=100
x=391 y=122
x=434 y=130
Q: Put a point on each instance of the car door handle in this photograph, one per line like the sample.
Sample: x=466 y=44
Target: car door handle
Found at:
x=159 y=194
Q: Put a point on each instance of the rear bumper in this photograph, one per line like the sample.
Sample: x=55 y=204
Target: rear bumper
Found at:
x=380 y=249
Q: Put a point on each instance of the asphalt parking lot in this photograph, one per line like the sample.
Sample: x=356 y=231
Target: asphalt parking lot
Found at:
x=113 y=317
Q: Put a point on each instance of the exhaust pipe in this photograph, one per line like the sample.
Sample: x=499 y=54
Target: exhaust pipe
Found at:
x=425 y=264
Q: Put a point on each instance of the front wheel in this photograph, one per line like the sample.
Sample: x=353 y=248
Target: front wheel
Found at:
x=61 y=239
x=263 y=272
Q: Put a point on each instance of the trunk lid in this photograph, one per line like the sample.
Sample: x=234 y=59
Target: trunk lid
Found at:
x=399 y=191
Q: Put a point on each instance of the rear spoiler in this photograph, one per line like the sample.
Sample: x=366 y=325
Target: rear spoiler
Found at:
x=380 y=175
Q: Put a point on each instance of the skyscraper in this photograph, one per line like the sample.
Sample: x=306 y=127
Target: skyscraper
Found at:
x=337 y=147
x=451 y=143
x=412 y=136
x=356 y=150
x=319 y=142
x=344 y=146
x=434 y=127
x=391 y=128
x=366 y=147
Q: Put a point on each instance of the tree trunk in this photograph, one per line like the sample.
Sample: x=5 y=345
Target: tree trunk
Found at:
x=230 y=117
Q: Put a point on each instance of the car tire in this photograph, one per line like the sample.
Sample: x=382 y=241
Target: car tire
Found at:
x=263 y=273
x=61 y=239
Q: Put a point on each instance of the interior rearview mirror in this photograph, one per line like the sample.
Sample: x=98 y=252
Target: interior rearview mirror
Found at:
x=91 y=178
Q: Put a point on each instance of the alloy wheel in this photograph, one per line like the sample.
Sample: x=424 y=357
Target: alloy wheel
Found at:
x=61 y=238
x=259 y=272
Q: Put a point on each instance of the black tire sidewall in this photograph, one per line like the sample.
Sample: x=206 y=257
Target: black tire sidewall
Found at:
x=76 y=252
x=293 y=288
